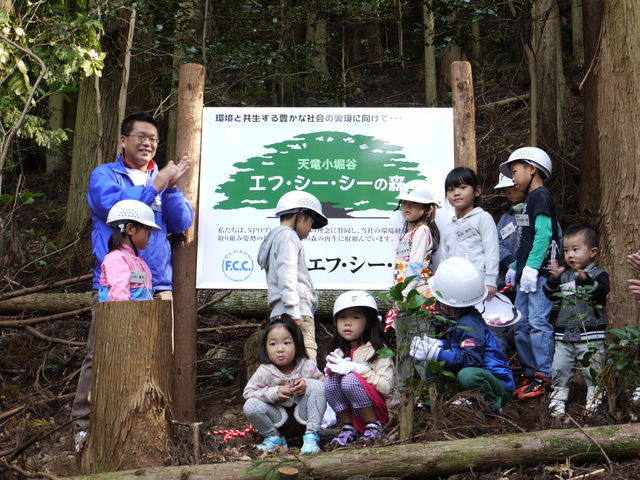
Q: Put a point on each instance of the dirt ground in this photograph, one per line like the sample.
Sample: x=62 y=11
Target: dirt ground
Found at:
x=39 y=377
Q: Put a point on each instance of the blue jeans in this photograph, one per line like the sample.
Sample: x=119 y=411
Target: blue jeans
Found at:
x=534 y=332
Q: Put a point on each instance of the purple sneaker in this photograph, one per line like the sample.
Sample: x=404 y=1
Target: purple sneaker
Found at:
x=372 y=431
x=347 y=435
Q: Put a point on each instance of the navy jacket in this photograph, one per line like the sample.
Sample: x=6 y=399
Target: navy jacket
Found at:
x=475 y=346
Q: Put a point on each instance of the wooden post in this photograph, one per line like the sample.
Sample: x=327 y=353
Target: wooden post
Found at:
x=131 y=385
x=190 y=104
x=464 y=115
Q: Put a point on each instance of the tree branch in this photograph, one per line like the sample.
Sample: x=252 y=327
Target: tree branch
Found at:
x=27 y=106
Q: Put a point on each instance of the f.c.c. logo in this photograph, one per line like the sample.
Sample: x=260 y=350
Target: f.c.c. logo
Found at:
x=237 y=265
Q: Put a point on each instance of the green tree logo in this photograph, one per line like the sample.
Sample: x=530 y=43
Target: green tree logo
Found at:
x=346 y=172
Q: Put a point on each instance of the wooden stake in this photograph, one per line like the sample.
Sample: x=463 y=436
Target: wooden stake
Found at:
x=190 y=104
x=464 y=116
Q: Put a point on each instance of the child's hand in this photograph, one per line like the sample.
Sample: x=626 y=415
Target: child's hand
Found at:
x=581 y=275
x=634 y=261
x=299 y=387
x=555 y=270
x=634 y=286
x=284 y=392
x=491 y=292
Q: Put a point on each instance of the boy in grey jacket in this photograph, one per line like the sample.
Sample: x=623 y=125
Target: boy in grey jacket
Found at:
x=581 y=324
x=290 y=289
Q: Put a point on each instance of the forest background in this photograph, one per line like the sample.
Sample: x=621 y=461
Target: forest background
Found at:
x=559 y=74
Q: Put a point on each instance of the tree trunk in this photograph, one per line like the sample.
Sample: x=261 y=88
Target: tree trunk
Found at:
x=318 y=36
x=550 y=74
x=190 y=105
x=589 y=189
x=426 y=460
x=618 y=117
x=430 y=78
x=449 y=55
x=96 y=131
x=475 y=33
x=577 y=44
x=130 y=391
x=56 y=122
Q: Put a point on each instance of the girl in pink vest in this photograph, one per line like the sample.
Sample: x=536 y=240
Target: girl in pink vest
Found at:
x=124 y=274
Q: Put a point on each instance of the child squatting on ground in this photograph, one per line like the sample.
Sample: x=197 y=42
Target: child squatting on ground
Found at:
x=281 y=255
x=537 y=245
x=124 y=275
x=358 y=380
x=418 y=203
x=468 y=347
x=581 y=325
x=473 y=234
x=286 y=388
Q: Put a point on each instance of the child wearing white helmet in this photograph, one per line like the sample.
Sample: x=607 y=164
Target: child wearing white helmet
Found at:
x=124 y=274
x=290 y=289
x=468 y=347
x=537 y=245
x=418 y=203
x=358 y=378
x=507 y=246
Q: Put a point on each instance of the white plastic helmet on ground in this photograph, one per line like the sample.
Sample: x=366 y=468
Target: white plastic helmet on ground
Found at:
x=418 y=191
x=354 y=298
x=132 y=210
x=297 y=200
x=504 y=182
x=457 y=283
x=531 y=155
x=499 y=311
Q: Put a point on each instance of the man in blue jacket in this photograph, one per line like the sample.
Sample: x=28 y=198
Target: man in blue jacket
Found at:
x=134 y=175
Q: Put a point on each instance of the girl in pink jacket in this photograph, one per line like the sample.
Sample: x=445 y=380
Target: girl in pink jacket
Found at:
x=124 y=275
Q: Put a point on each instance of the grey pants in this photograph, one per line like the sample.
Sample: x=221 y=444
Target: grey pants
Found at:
x=80 y=408
x=566 y=358
x=268 y=417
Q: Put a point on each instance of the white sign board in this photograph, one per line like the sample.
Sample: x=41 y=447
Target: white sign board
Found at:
x=353 y=159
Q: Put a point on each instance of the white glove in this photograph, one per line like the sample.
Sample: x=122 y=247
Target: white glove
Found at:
x=425 y=348
x=344 y=367
x=529 y=280
x=510 y=277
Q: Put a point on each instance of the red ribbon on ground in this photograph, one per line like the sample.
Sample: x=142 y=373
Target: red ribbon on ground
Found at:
x=232 y=433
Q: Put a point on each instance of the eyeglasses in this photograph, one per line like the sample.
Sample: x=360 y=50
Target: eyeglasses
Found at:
x=143 y=138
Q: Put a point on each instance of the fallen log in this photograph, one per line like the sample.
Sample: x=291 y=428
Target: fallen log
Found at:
x=422 y=460
x=46 y=303
x=239 y=303
x=45 y=286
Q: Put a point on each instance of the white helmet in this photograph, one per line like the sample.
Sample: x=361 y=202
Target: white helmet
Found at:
x=132 y=210
x=531 y=155
x=457 y=283
x=354 y=298
x=418 y=191
x=504 y=182
x=296 y=201
x=499 y=311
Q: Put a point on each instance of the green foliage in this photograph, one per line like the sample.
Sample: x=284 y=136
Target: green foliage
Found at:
x=66 y=38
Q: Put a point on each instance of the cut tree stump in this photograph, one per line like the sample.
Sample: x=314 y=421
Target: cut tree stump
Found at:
x=423 y=460
x=131 y=385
